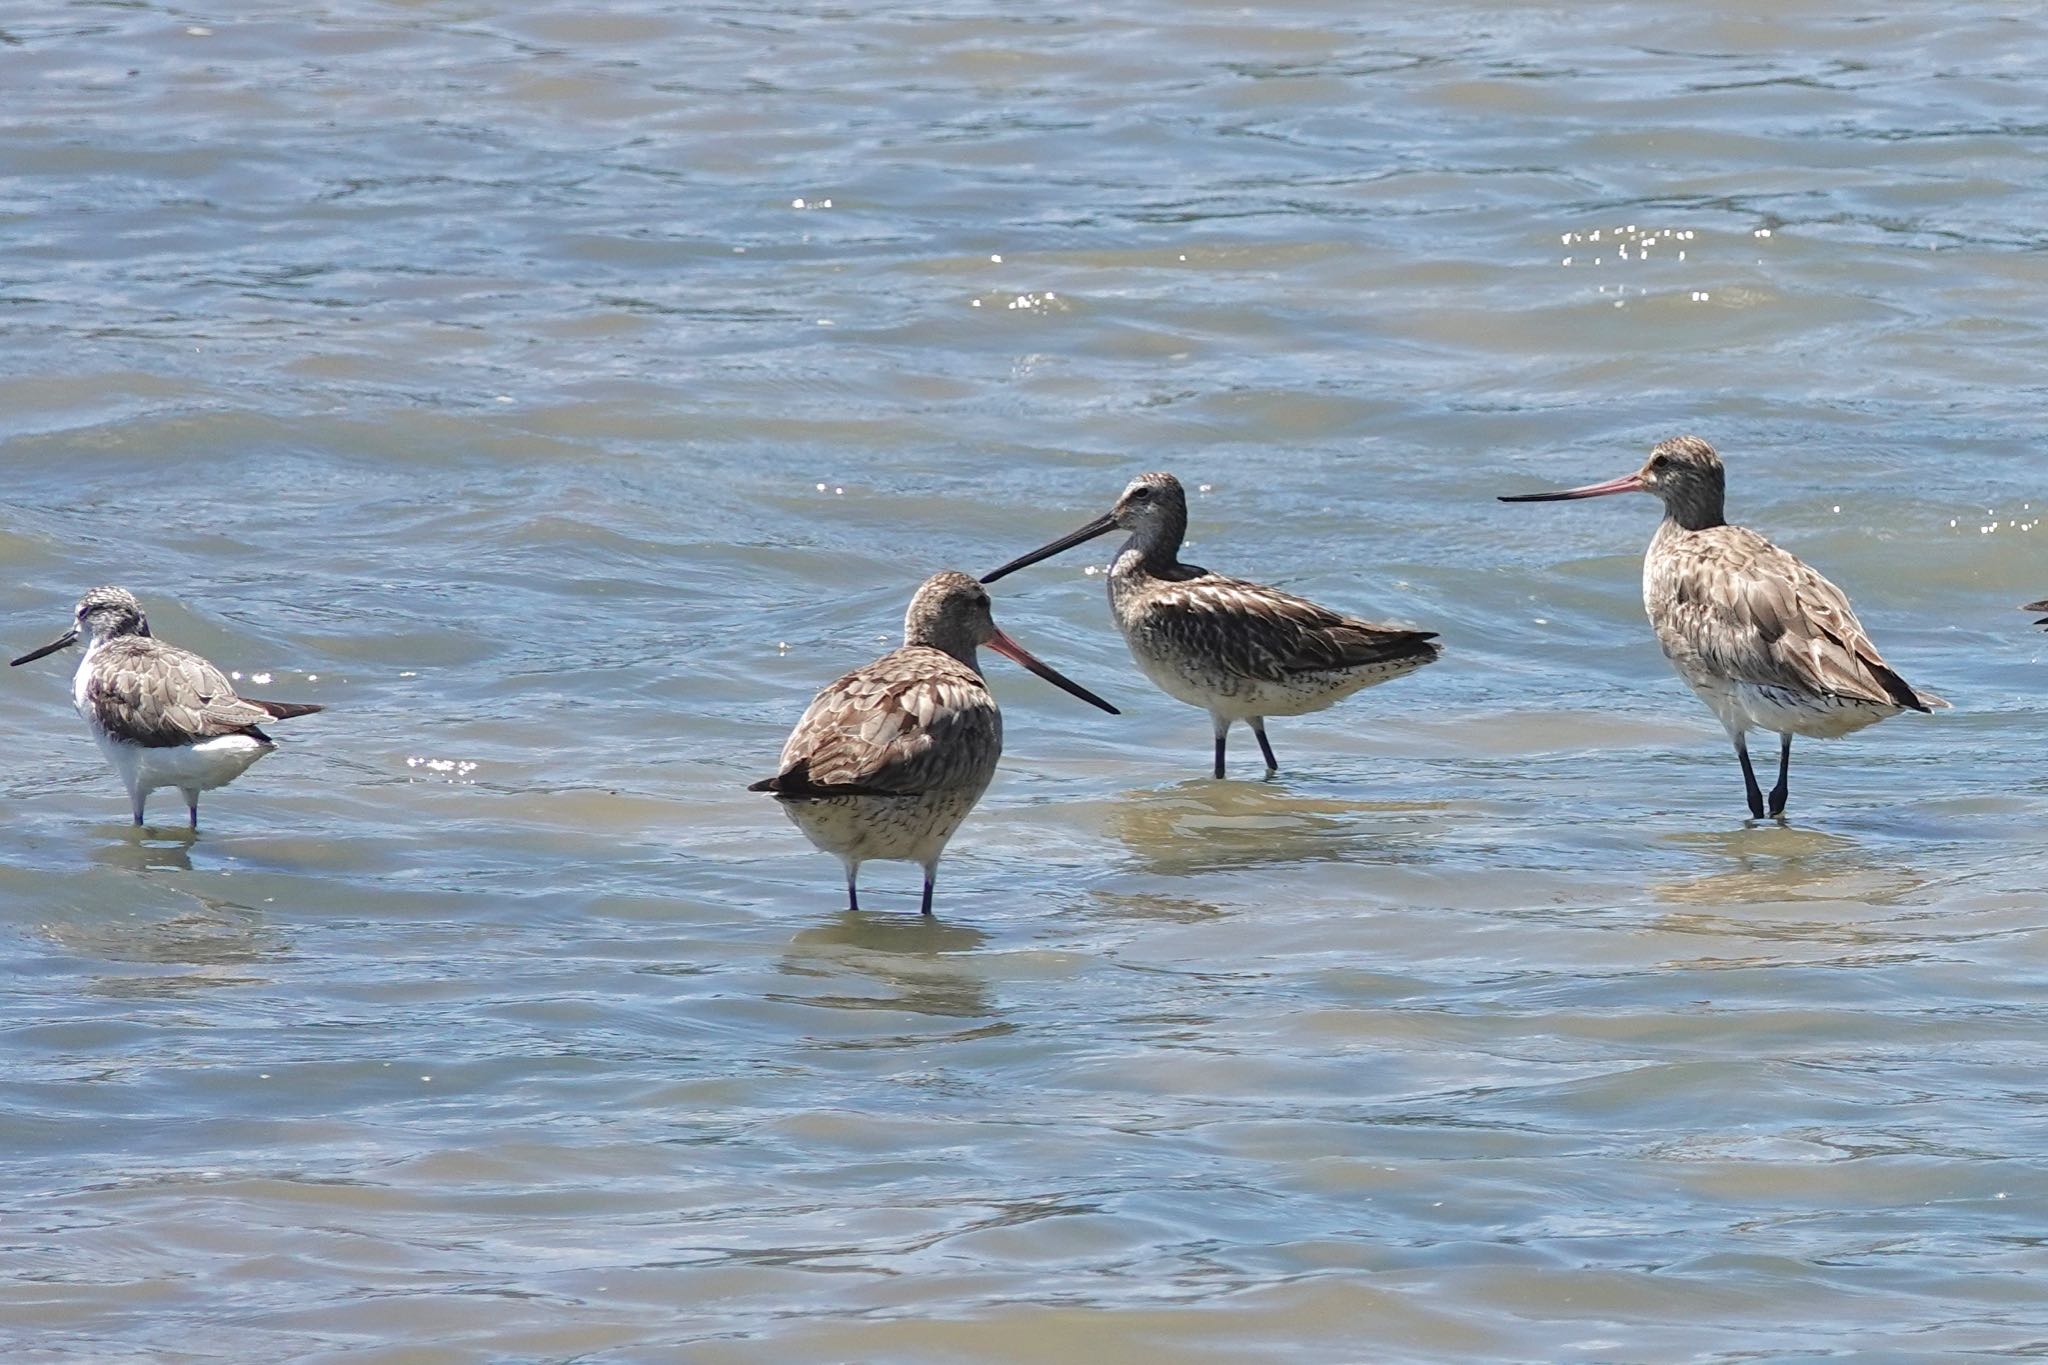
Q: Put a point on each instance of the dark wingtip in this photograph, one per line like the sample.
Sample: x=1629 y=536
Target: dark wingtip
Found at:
x=794 y=784
x=285 y=710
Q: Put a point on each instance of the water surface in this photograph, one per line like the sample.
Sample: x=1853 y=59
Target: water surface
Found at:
x=562 y=398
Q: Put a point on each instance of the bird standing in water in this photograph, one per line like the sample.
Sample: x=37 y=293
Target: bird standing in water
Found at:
x=1762 y=639
x=888 y=760
x=1240 y=651
x=163 y=716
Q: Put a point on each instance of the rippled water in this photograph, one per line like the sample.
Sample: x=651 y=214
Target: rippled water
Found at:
x=561 y=397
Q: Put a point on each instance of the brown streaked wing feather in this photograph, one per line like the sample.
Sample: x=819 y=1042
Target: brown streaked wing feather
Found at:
x=158 y=695
x=1761 y=615
x=915 y=720
x=1261 y=632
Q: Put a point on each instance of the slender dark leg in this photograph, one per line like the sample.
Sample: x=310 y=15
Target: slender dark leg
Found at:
x=140 y=800
x=1784 y=787
x=1259 y=729
x=192 y=808
x=1756 y=793
x=852 y=895
x=1220 y=731
x=928 y=893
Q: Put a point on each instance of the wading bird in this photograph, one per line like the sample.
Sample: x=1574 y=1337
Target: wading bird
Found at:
x=1766 y=642
x=1240 y=651
x=888 y=760
x=163 y=716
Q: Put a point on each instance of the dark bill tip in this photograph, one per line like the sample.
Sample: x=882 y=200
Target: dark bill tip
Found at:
x=64 y=641
x=1102 y=525
x=1017 y=654
x=1627 y=483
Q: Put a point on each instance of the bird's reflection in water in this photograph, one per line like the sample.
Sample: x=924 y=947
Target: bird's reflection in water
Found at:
x=1204 y=825
x=1781 y=883
x=145 y=850
x=1768 y=862
x=217 y=941
x=924 y=965
x=1144 y=906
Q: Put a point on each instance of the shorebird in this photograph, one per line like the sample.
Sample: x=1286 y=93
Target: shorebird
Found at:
x=1240 y=651
x=163 y=716
x=888 y=760
x=1765 y=641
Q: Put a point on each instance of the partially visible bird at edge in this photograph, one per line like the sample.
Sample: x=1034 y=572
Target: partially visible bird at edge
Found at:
x=163 y=716
x=1765 y=641
x=1239 y=650
x=888 y=760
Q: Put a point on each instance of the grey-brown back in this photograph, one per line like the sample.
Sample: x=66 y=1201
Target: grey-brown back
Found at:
x=1755 y=613
x=915 y=720
x=143 y=691
x=1255 y=631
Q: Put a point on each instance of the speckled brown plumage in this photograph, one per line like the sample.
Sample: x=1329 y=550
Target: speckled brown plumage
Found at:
x=1250 y=631
x=915 y=720
x=1239 y=650
x=1760 y=637
x=163 y=716
x=147 y=692
x=889 y=759
x=1727 y=603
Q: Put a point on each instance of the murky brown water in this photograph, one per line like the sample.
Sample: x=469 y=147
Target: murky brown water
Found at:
x=562 y=397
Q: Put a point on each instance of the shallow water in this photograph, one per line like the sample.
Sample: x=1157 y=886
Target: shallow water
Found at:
x=561 y=399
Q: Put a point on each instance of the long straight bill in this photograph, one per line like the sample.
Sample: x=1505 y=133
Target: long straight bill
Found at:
x=1016 y=653
x=1102 y=525
x=64 y=641
x=1628 y=483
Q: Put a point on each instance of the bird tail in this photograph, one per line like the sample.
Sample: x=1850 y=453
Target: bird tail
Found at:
x=285 y=710
x=1901 y=692
x=2041 y=605
x=794 y=784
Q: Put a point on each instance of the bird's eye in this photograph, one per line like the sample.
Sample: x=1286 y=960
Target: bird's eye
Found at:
x=1138 y=493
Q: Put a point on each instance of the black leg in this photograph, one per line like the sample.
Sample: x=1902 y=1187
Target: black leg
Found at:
x=1784 y=787
x=1219 y=753
x=192 y=807
x=928 y=894
x=1756 y=793
x=852 y=894
x=1259 y=729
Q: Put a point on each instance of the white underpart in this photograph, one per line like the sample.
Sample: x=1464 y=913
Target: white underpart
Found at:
x=1745 y=706
x=1742 y=707
x=1190 y=677
x=192 y=768
x=912 y=829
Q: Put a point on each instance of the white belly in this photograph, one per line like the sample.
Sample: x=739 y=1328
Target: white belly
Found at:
x=1742 y=707
x=907 y=828
x=1235 y=697
x=191 y=767
x=1773 y=708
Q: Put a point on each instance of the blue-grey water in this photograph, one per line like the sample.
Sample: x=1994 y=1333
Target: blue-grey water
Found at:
x=561 y=396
